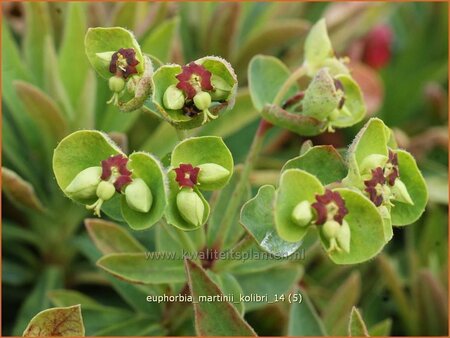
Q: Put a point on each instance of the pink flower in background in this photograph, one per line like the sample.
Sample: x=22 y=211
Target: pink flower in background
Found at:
x=377 y=46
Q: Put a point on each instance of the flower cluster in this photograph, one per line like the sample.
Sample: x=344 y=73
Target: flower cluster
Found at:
x=103 y=182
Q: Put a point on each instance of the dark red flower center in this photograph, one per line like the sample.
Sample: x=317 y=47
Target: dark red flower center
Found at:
x=187 y=175
x=114 y=169
x=123 y=62
x=377 y=47
x=330 y=205
x=380 y=177
x=194 y=78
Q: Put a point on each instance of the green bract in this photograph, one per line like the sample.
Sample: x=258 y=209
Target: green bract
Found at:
x=101 y=43
x=372 y=149
x=322 y=161
x=87 y=149
x=149 y=169
x=362 y=235
x=173 y=104
x=208 y=153
x=199 y=151
x=319 y=51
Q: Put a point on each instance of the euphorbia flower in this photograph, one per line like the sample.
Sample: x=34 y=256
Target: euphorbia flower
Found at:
x=187 y=175
x=374 y=186
x=123 y=62
x=115 y=169
x=380 y=178
x=193 y=79
x=328 y=206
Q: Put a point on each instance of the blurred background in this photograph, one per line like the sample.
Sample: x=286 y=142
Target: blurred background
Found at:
x=399 y=56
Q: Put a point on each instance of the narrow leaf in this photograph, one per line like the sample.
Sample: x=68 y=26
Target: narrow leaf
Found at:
x=148 y=268
x=336 y=315
x=62 y=321
x=38 y=26
x=160 y=41
x=303 y=318
x=213 y=318
x=111 y=238
x=42 y=109
x=20 y=191
x=356 y=325
x=71 y=55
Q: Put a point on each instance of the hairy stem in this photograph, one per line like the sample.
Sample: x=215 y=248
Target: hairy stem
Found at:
x=290 y=81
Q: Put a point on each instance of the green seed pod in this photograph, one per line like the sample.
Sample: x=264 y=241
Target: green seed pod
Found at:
x=343 y=237
x=139 y=196
x=211 y=173
x=105 y=190
x=202 y=100
x=330 y=229
x=302 y=214
x=190 y=206
x=400 y=192
x=84 y=185
x=321 y=96
x=173 y=98
x=371 y=162
x=221 y=88
x=116 y=84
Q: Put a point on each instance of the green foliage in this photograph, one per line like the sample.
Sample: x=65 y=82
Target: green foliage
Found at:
x=55 y=94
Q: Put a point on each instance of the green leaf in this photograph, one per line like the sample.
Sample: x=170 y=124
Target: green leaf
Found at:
x=295 y=186
x=142 y=268
x=318 y=46
x=295 y=122
x=229 y=286
x=51 y=278
x=266 y=76
x=111 y=238
x=19 y=191
x=16 y=274
x=101 y=40
x=257 y=216
x=270 y=39
x=219 y=201
x=382 y=328
x=303 y=318
x=242 y=114
x=42 y=110
x=356 y=325
x=213 y=318
x=70 y=53
x=52 y=81
x=160 y=41
x=354 y=104
x=371 y=139
x=149 y=169
x=324 y=162
x=402 y=213
x=432 y=304
x=366 y=229
x=78 y=151
x=282 y=279
x=38 y=26
x=63 y=321
x=336 y=314
x=172 y=213
x=202 y=150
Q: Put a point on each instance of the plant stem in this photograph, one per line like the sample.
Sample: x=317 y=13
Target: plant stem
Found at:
x=182 y=134
x=236 y=197
x=290 y=81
